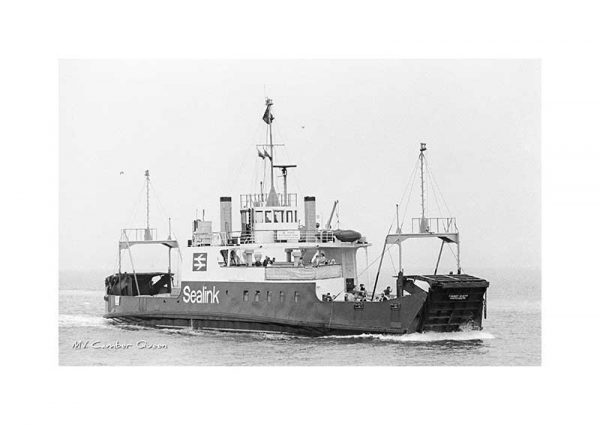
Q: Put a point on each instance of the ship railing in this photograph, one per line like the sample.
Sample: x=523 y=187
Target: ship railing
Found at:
x=254 y=200
x=434 y=225
x=257 y=236
x=138 y=234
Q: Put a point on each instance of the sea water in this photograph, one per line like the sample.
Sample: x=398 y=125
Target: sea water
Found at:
x=511 y=335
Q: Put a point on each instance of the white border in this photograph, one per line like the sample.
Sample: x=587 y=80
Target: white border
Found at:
x=36 y=34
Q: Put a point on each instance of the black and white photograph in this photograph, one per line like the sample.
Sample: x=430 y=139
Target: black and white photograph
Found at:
x=300 y=212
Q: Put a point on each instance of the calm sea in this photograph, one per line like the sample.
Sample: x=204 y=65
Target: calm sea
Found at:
x=511 y=335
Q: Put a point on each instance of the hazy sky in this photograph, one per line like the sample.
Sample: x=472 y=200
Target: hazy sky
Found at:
x=353 y=128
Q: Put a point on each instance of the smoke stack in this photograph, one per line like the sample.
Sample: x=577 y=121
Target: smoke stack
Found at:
x=226 y=215
x=310 y=216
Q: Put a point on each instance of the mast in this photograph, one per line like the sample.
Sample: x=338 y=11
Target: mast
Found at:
x=269 y=103
x=423 y=226
x=147 y=233
x=272 y=199
x=284 y=173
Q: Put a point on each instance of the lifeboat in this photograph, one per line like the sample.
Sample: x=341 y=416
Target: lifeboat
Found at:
x=347 y=235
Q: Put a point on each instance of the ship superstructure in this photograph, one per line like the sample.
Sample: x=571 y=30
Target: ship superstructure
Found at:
x=283 y=272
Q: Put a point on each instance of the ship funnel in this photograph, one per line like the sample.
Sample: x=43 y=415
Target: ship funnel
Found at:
x=225 y=216
x=310 y=216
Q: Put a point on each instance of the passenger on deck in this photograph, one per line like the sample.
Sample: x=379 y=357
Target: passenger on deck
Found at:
x=362 y=292
x=328 y=297
x=319 y=259
x=387 y=294
x=234 y=259
x=266 y=261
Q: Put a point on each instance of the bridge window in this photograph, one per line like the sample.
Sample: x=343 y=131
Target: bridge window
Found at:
x=296 y=296
x=278 y=215
x=259 y=217
x=268 y=296
x=268 y=216
x=281 y=296
x=289 y=216
x=245 y=295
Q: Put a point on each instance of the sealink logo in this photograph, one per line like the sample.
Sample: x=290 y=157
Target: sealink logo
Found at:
x=199 y=261
x=201 y=296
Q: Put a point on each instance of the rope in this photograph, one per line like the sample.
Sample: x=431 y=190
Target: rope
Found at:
x=429 y=181
x=373 y=262
x=132 y=266
x=392 y=260
x=438 y=187
x=379 y=256
x=164 y=212
x=407 y=184
x=409 y=193
x=136 y=204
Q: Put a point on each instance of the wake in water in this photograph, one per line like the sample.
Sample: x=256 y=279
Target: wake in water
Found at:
x=422 y=337
x=79 y=320
x=75 y=320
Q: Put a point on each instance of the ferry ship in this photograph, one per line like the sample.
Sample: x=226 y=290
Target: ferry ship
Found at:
x=283 y=272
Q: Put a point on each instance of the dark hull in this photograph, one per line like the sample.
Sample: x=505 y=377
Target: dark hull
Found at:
x=294 y=308
x=234 y=325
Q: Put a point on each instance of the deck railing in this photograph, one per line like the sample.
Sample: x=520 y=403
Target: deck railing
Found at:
x=138 y=234
x=260 y=200
x=434 y=225
x=257 y=236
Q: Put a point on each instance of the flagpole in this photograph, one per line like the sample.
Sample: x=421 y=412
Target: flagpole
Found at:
x=269 y=104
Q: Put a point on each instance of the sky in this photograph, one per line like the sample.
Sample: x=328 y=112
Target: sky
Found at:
x=353 y=127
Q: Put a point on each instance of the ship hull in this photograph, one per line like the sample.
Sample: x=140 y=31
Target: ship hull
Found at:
x=294 y=308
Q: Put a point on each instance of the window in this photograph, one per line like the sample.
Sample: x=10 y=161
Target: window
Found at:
x=268 y=296
x=245 y=295
x=257 y=296
x=278 y=215
x=295 y=216
x=268 y=215
x=296 y=296
x=281 y=296
x=259 y=217
x=289 y=216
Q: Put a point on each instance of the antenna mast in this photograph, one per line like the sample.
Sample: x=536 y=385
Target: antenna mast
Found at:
x=147 y=233
x=272 y=199
x=269 y=103
x=423 y=226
